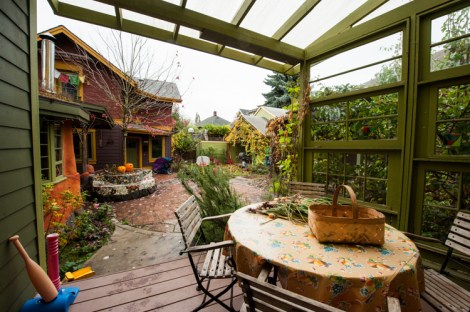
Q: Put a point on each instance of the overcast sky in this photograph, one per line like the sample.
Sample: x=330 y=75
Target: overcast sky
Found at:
x=208 y=83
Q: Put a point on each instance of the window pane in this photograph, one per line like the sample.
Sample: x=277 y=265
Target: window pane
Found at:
x=372 y=64
x=453 y=121
x=365 y=173
x=374 y=75
x=373 y=129
x=466 y=190
x=157 y=150
x=450 y=53
x=351 y=120
x=58 y=170
x=440 y=194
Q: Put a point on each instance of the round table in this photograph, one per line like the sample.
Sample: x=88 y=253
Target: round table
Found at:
x=349 y=277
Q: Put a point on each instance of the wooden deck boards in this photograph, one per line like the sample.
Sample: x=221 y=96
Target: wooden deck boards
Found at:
x=168 y=286
x=164 y=287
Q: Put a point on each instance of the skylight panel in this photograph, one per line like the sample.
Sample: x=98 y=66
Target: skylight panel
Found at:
x=148 y=20
x=93 y=5
x=258 y=19
x=325 y=15
x=224 y=10
x=386 y=7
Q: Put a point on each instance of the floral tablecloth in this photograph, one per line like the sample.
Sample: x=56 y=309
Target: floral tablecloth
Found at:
x=349 y=277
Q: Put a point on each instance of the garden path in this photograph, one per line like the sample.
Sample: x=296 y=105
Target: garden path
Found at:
x=146 y=229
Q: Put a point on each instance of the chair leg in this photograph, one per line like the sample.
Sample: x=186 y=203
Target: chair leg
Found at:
x=216 y=297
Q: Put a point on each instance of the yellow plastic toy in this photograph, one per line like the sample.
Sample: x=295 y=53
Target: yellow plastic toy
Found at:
x=79 y=274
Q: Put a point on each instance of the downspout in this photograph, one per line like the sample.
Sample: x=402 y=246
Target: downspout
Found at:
x=84 y=149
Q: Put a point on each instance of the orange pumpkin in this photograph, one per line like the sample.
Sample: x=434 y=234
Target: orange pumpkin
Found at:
x=129 y=167
x=121 y=169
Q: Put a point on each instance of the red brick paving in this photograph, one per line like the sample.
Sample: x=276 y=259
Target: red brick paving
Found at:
x=155 y=212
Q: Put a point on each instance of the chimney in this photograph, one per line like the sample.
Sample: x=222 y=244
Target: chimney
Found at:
x=47 y=61
x=215 y=113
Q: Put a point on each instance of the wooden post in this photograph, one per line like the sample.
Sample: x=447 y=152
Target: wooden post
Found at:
x=84 y=150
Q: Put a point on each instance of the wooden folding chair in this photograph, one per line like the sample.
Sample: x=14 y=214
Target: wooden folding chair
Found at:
x=260 y=296
x=207 y=261
x=307 y=189
x=442 y=293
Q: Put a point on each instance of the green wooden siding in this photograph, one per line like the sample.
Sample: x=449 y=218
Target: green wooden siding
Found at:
x=18 y=127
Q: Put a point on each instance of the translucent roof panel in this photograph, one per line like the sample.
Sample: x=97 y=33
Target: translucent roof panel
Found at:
x=375 y=51
x=224 y=10
x=148 y=20
x=386 y=7
x=93 y=5
x=267 y=24
x=190 y=32
x=325 y=15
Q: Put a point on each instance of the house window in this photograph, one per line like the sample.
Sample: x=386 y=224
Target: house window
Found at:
x=51 y=151
x=91 y=146
x=156 y=147
x=67 y=85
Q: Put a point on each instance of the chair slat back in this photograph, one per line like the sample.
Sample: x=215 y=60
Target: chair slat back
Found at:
x=307 y=189
x=459 y=236
x=263 y=297
x=189 y=220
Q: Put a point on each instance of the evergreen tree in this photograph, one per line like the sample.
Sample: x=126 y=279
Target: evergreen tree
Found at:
x=280 y=85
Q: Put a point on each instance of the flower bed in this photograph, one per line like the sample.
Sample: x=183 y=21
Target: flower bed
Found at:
x=123 y=186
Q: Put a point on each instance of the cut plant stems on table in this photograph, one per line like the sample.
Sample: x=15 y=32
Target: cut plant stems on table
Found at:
x=292 y=208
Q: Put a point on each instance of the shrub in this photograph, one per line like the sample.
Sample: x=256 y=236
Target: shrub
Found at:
x=213 y=194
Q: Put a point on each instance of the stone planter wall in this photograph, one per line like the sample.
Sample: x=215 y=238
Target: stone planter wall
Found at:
x=123 y=186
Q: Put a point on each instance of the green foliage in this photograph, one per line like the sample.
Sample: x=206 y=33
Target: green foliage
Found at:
x=255 y=142
x=215 y=130
x=55 y=206
x=180 y=122
x=284 y=145
x=280 y=85
x=92 y=229
x=213 y=194
x=183 y=142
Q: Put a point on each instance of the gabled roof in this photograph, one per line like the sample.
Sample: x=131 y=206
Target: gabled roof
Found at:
x=161 y=91
x=258 y=123
x=274 y=111
x=61 y=29
x=213 y=120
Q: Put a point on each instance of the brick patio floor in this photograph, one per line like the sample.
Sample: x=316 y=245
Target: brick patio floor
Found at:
x=155 y=212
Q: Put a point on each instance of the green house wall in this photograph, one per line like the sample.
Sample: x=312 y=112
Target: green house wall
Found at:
x=18 y=181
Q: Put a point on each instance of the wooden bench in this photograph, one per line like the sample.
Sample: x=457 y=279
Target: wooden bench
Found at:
x=307 y=189
x=442 y=293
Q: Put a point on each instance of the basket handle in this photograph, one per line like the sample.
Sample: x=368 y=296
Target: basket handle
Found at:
x=352 y=195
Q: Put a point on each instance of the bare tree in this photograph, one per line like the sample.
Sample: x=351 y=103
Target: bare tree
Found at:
x=136 y=91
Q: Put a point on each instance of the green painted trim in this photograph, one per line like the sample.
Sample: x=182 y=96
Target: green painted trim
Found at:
x=350 y=20
x=295 y=18
x=304 y=88
x=35 y=132
x=399 y=15
x=61 y=109
x=101 y=19
x=245 y=7
x=222 y=32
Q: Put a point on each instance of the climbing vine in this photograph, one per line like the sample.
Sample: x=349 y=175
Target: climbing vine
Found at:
x=255 y=142
x=284 y=142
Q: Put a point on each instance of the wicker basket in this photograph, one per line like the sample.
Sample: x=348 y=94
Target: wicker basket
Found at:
x=346 y=223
